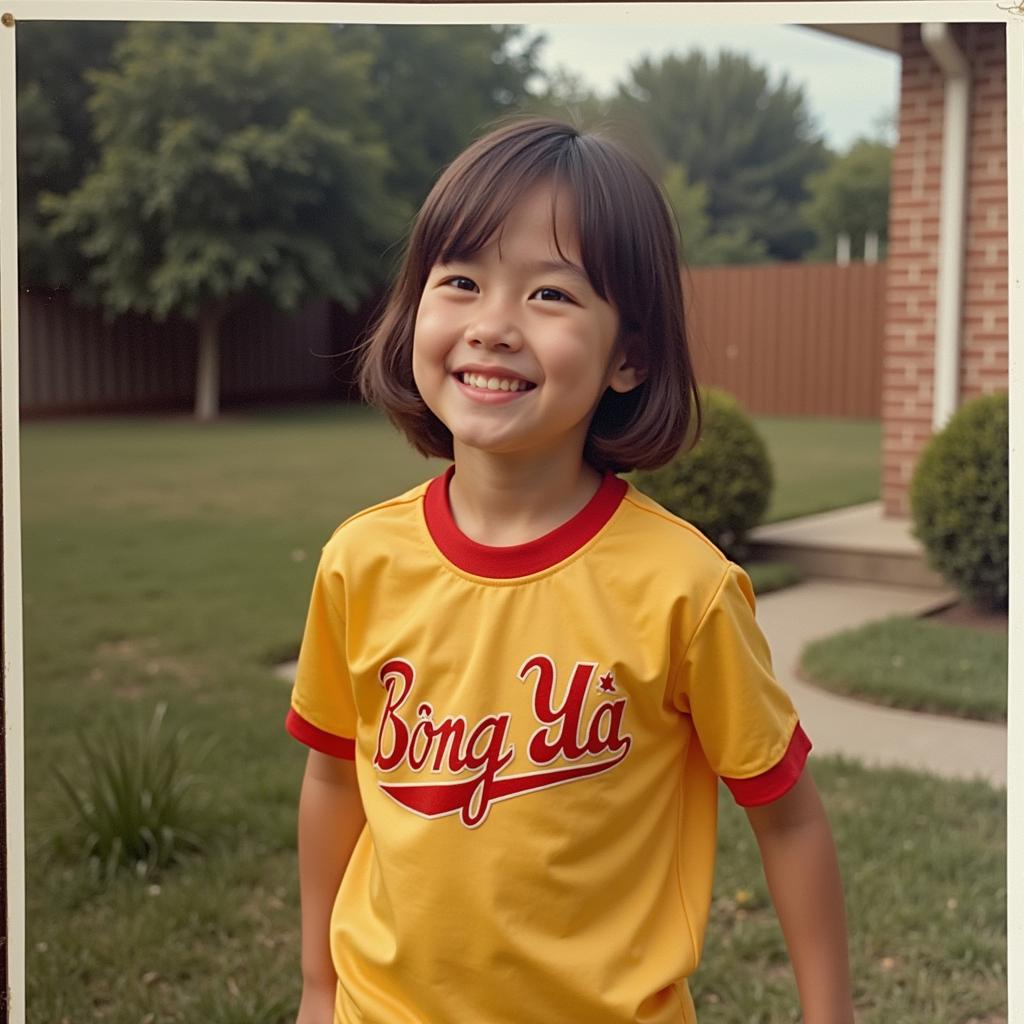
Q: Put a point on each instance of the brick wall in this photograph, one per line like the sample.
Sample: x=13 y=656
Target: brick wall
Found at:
x=908 y=368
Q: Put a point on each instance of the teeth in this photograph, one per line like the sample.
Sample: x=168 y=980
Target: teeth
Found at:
x=477 y=380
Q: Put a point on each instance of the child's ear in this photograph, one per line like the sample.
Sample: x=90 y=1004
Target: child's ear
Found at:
x=624 y=376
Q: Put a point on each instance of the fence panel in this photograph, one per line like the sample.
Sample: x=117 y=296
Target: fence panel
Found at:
x=787 y=339
x=790 y=339
x=73 y=360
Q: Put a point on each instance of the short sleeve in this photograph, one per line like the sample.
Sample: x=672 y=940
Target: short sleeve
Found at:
x=745 y=721
x=322 y=713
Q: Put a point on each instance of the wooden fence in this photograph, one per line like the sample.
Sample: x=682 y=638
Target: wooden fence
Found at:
x=788 y=339
x=72 y=360
x=791 y=339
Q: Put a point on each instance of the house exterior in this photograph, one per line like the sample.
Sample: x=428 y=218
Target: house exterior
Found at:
x=947 y=315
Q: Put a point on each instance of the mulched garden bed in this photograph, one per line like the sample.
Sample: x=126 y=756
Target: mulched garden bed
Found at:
x=962 y=613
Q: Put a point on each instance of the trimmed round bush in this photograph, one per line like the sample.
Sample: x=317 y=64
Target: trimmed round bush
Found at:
x=960 y=501
x=723 y=485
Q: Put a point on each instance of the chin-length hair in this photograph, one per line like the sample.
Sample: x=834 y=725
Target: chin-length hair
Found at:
x=627 y=243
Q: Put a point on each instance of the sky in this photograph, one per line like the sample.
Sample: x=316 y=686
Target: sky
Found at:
x=848 y=86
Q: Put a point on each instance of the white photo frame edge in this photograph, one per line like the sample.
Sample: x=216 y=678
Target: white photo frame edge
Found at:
x=806 y=12
x=794 y=11
x=1015 y=666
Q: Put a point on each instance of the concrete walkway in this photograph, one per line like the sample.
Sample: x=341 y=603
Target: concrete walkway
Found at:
x=874 y=735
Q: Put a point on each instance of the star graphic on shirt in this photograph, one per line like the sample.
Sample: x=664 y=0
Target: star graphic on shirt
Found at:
x=607 y=683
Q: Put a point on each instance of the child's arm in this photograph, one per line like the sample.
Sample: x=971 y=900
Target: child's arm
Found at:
x=800 y=865
x=330 y=820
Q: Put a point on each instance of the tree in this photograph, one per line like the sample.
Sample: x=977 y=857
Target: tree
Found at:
x=700 y=246
x=233 y=160
x=564 y=95
x=850 y=195
x=436 y=87
x=55 y=147
x=750 y=143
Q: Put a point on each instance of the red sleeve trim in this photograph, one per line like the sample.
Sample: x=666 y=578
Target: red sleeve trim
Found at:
x=325 y=742
x=770 y=785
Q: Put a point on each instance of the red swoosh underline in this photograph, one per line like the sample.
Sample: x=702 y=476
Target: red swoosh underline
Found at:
x=439 y=798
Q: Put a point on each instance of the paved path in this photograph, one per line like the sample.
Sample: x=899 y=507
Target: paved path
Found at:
x=950 y=747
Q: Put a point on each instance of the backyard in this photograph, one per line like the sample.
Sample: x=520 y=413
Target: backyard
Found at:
x=170 y=561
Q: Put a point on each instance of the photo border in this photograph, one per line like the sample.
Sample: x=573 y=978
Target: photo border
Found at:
x=806 y=12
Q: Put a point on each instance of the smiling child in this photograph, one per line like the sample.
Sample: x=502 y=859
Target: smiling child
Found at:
x=522 y=680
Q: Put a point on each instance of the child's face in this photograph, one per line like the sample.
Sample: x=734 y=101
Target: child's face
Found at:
x=526 y=319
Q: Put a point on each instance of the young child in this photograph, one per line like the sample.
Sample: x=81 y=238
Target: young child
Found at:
x=522 y=680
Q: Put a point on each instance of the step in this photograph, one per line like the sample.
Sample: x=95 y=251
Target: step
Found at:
x=854 y=543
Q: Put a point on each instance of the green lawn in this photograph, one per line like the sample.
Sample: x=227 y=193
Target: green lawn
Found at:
x=835 y=464
x=915 y=664
x=923 y=865
x=164 y=560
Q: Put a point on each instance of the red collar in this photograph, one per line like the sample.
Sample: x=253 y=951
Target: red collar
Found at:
x=517 y=559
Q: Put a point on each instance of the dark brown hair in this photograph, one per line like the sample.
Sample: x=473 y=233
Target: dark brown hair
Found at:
x=628 y=247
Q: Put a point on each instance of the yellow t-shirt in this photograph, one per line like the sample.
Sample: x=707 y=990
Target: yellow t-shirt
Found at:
x=538 y=734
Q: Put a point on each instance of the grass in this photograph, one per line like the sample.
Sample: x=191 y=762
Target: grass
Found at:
x=835 y=464
x=167 y=561
x=922 y=862
x=915 y=664
x=766 y=575
x=130 y=797
x=832 y=466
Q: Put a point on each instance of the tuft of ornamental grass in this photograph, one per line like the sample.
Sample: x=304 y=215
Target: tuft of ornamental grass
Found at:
x=133 y=805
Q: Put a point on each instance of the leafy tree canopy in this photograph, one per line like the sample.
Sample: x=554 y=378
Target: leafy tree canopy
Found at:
x=55 y=145
x=564 y=95
x=701 y=246
x=749 y=142
x=426 y=91
x=233 y=159
x=436 y=87
x=851 y=195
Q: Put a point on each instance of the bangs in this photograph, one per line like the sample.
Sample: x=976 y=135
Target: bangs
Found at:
x=470 y=205
x=465 y=227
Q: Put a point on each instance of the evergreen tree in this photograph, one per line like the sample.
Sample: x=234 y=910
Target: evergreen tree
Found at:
x=749 y=142
x=701 y=246
x=851 y=195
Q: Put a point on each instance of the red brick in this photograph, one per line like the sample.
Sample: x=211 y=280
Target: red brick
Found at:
x=904 y=388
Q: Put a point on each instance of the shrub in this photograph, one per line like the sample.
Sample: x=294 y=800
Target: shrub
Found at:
x=723 y=485
x=960 y=497
x=134 y=806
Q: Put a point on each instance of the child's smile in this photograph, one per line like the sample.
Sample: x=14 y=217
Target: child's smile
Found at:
x=513 y=348
x=485 y=385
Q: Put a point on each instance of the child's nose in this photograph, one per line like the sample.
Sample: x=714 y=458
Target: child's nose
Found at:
x=495 y=331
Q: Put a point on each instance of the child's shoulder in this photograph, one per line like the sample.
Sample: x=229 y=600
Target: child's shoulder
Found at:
x=669 y=534
x=672 y=553
x=383 y=517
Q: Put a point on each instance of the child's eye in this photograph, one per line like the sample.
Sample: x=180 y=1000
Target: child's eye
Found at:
x=462 y=283
x=552 y=294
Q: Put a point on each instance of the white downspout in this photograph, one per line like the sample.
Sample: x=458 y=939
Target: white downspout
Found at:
x=949 y=310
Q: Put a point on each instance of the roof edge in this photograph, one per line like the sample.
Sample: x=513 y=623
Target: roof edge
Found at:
x=880 y=36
